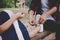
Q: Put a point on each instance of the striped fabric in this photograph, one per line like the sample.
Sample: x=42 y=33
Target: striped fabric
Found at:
x=17 y=31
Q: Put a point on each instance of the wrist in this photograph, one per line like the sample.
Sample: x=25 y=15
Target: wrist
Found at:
x=45 y=14
x=15 y=17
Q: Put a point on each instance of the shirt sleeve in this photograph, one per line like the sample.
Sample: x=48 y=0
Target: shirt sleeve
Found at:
x=3 y=17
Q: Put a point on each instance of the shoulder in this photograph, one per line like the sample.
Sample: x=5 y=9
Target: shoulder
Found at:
x=3 y=17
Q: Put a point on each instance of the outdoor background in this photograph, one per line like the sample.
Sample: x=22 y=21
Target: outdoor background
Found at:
x=15 y=5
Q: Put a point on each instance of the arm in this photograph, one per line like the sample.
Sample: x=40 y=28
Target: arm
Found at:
x=51 y=11
x=46 y=14
x=54 y=8
x=5 y=26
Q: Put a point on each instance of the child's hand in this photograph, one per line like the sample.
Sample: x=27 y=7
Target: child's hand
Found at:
x=20 y=14
x=42 y=19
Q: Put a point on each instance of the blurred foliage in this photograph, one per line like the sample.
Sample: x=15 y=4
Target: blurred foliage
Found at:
x=2 y=3
x=29 y=2
x=6 y=3
x=11 y=3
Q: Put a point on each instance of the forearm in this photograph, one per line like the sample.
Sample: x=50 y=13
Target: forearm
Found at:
x=5 y=26
x=51 y=11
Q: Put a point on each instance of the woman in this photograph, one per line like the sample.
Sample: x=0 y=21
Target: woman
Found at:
x=47 y=10
x=7 y=30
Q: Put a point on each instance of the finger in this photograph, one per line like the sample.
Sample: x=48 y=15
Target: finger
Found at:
x=41 y=20
x=31 y=23
x=22 y=13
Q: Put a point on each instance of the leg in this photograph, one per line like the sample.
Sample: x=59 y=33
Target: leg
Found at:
x=34 y=32
x=58 y=35
x=52 y=26
x=41 y=35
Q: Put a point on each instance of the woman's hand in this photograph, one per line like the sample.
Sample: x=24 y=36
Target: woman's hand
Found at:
x=20 y=14
x=42 y=18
